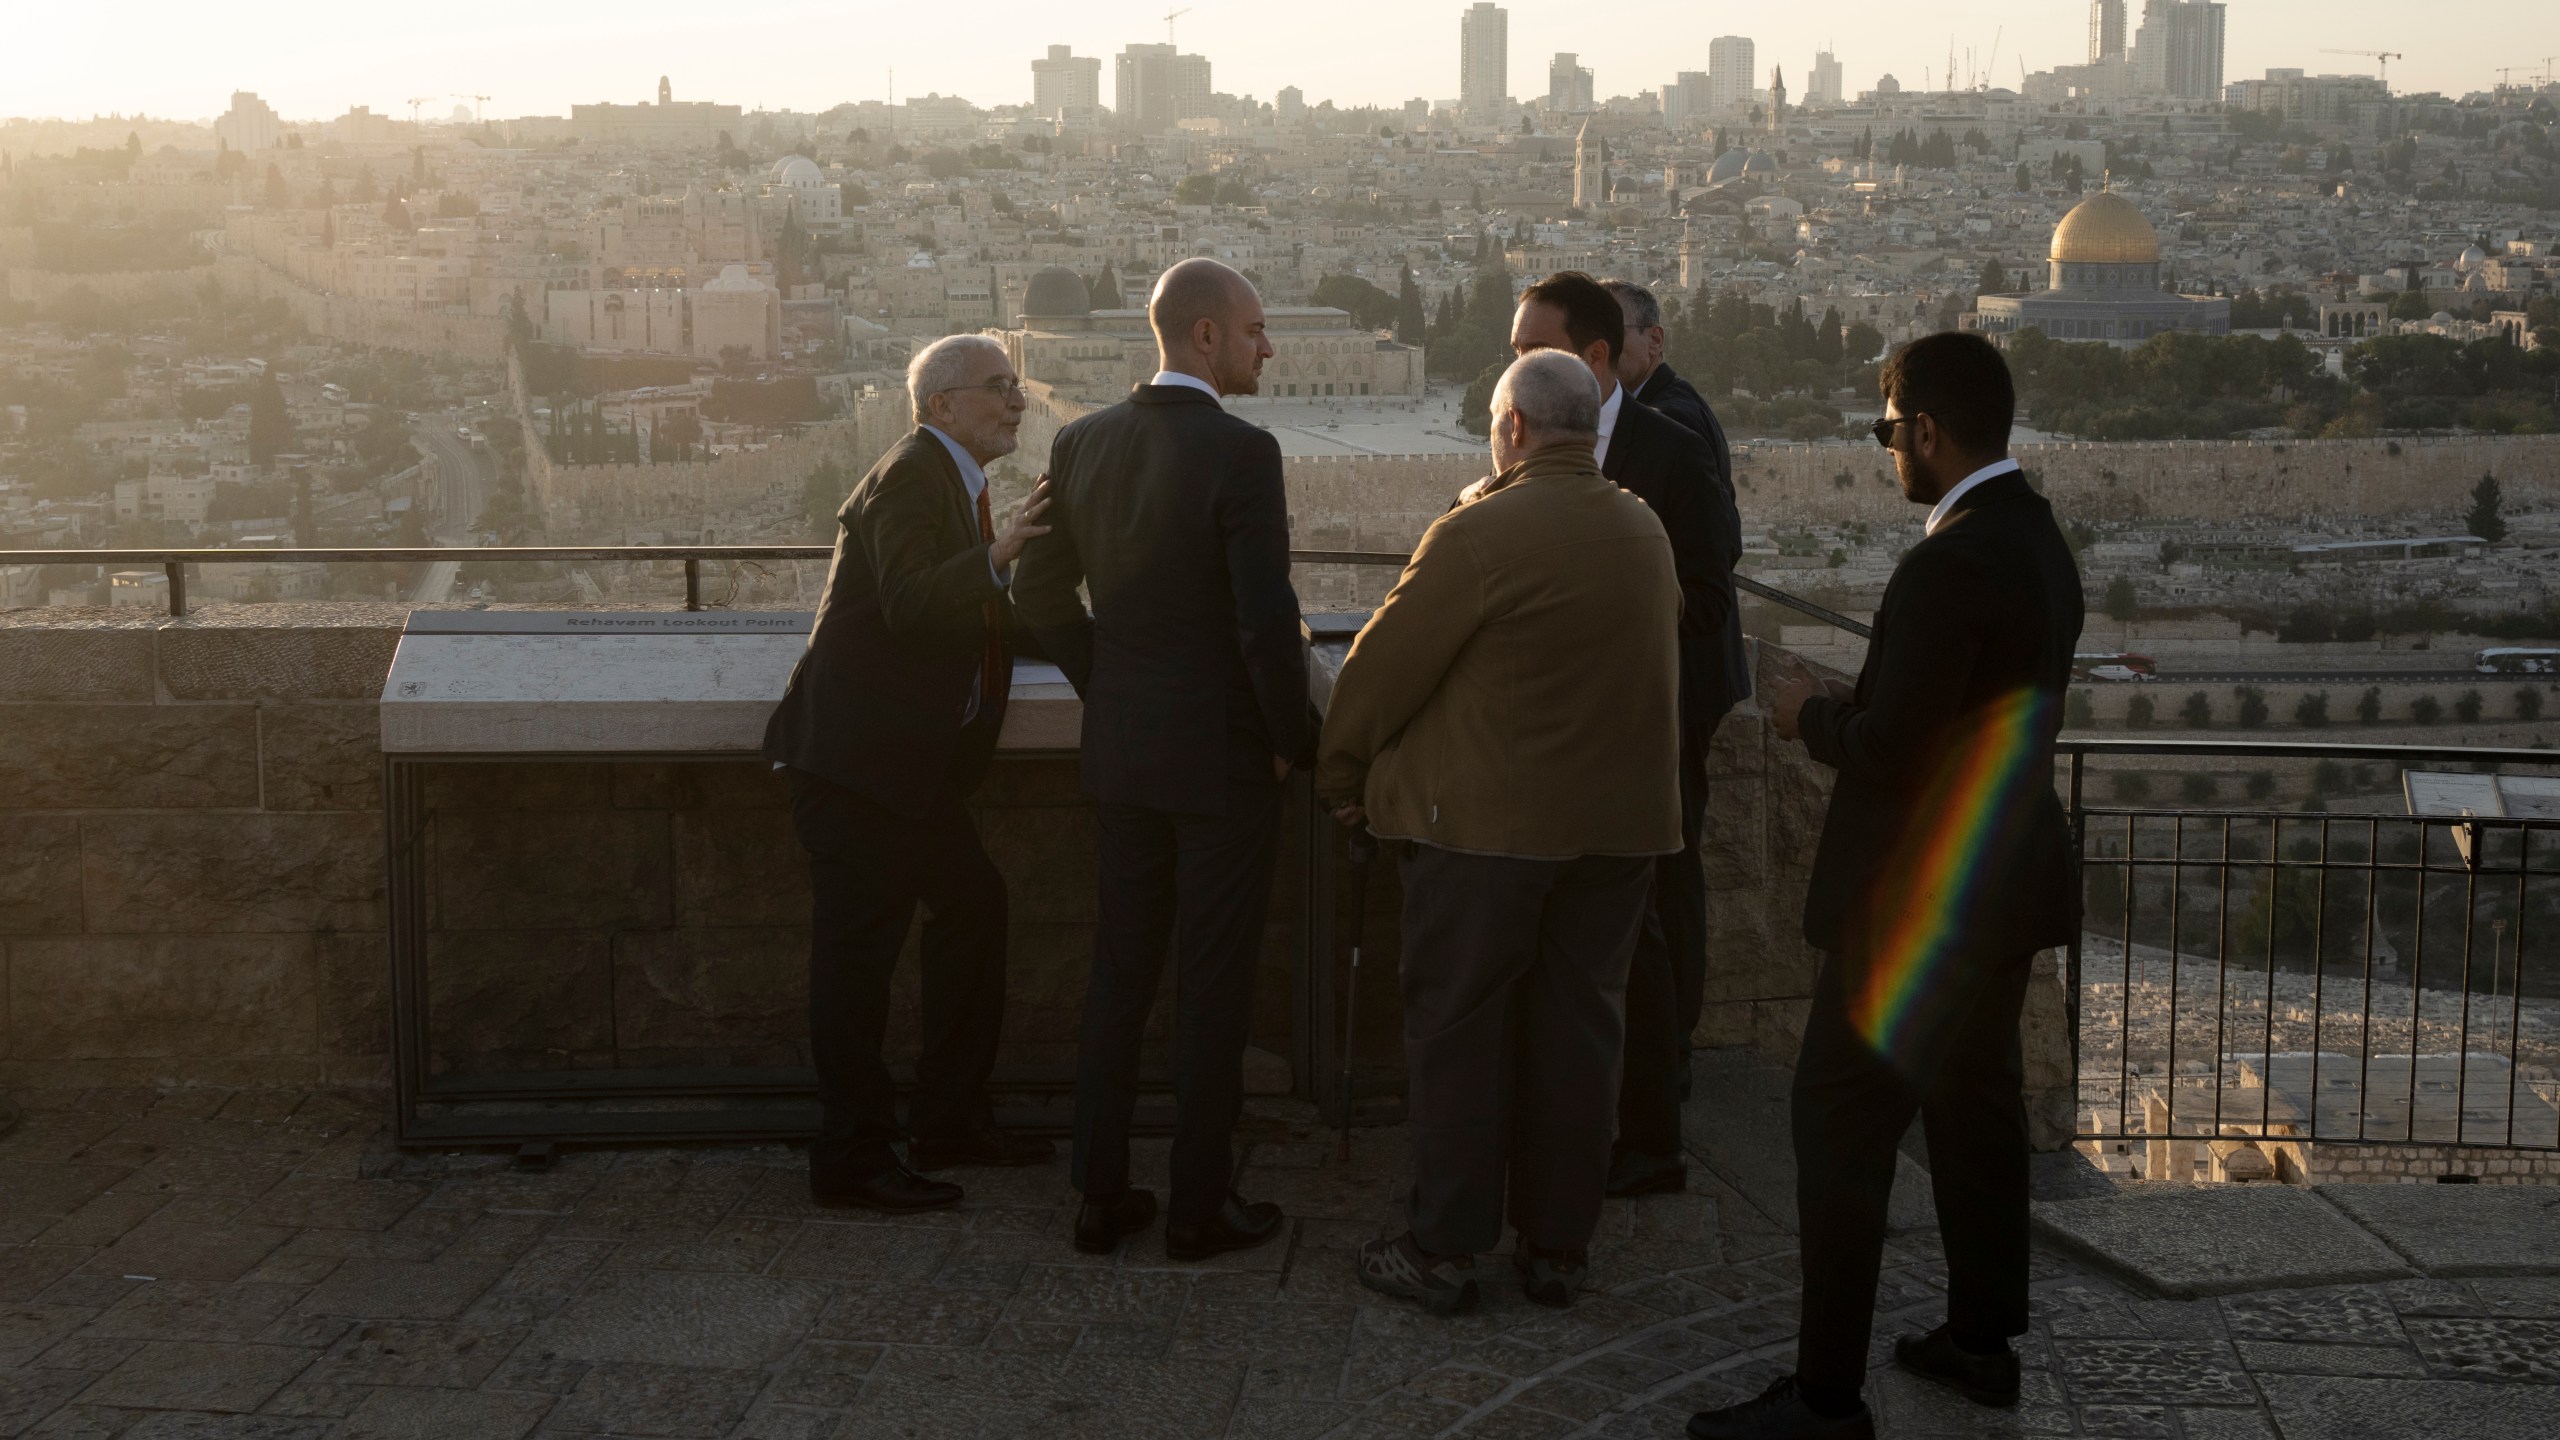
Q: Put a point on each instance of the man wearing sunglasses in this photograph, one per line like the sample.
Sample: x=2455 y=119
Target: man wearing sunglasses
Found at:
x=888 y=724
x=1944 y=866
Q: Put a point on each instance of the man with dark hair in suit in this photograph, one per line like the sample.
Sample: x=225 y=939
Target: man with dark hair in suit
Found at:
x=1194 y=680
x=1649 y=1103
x=1944 y=865
x=888 y=724
x=1679 y=475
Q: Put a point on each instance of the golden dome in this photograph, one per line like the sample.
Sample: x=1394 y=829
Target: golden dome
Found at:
x=2105 y=229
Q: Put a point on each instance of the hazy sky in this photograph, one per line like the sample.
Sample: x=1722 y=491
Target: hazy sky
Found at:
x=314 y=58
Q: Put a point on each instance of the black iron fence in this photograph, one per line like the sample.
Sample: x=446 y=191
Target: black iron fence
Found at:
x=2366 y=974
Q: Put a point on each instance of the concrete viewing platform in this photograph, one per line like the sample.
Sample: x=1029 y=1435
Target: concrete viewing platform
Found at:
x=206 y=1261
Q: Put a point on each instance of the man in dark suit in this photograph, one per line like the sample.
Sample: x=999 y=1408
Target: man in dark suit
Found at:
x=1944 y=865
x=889 y=722
x=1680 y=908
x=1194 y=681
x=1679 y=474
x=1642 y=369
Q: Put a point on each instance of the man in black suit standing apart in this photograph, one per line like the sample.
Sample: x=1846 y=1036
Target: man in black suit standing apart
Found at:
x=888 y=724
x=1194 y=683
x=1944 y=866
x=1680 y=475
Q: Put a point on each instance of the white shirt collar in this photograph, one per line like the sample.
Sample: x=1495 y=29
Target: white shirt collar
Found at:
x=1176 y=377
x=973 y=476
x=1608 y=422
x=1947 y=503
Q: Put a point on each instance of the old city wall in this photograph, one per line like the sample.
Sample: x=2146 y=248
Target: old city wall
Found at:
x=355 y=321
x=2179 y=479
x=681 y=500
x=47 y=289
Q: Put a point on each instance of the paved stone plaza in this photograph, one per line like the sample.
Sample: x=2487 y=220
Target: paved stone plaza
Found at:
x=257 y=1263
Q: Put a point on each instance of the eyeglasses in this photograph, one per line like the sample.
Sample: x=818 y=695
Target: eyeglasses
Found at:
x=1002 y=387
x=1883 y=429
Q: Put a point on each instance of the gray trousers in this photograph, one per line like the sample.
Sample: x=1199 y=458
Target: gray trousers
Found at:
x=1514 y=982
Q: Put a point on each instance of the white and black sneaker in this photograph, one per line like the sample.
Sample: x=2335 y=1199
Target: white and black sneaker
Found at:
x=1549 y=1277
x=1442 y=1284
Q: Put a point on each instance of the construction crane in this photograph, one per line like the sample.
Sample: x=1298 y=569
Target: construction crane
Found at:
x=1168 y=22
x=2381 y=62
x=414 y=102
x=476 y=102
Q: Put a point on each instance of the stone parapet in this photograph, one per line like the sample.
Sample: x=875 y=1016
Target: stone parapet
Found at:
x=192 y=863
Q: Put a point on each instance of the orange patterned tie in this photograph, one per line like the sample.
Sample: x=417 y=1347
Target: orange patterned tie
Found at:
x=993 y=683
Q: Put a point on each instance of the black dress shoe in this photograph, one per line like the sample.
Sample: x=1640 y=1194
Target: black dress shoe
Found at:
x=1236 y=1226
x=1780 y=1414
x=1632 y=1172
x=894 y=1191
x=1983 y=1379
x=985 y=1146
x=1101 y=1224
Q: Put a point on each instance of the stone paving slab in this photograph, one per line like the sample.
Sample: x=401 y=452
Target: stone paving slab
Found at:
x=2461 y=1230
x=2309 y=1407
x=316 y=1290
x=2186 y=1241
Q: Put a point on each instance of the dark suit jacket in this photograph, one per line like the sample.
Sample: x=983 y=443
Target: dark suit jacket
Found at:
x=1673 y=471
x=1667 y=392
x=877 y=700
x=1190 y=664
x=1947 y=750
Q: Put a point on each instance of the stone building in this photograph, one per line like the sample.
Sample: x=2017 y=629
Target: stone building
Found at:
x=2103 y=284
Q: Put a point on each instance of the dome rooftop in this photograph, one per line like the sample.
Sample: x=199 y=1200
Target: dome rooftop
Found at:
x=2105 y=229
x=1759 y=164
x=798 y=171
x=1728 y=165
x=1057 y=290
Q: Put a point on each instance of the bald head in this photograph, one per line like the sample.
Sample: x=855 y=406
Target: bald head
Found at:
x=1208 y=323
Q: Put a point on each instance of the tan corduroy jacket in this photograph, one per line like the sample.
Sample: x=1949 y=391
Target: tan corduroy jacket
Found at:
x=1517 y=694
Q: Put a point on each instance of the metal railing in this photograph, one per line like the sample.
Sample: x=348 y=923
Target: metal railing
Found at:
x=174 y=563
x=2304 y=975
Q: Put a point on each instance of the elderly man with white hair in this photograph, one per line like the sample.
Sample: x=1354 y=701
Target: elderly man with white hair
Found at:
x=888 y=724
x=1508 y=723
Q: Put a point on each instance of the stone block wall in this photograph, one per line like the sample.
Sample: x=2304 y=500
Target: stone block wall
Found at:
x=191 y=846
x=192 y=877
x=192 y=862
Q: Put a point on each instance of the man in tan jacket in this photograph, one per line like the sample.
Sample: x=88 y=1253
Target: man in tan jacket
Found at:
x=1510 y=716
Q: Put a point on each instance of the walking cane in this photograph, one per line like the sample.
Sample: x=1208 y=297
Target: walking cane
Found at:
x=1359 y=852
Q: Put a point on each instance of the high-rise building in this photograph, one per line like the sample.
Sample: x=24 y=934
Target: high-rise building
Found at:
x=1156 y=87
x=2106 y=30
x=1289 y=107
x=1484 y=61
x=1568 y=84
x=1823 y=85
x=1065 y=81
x=2178 y=50
x=1729 y=70
x=1684 y=101
x=250 y=123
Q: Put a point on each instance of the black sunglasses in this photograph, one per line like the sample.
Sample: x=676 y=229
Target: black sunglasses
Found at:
x=1883 y=429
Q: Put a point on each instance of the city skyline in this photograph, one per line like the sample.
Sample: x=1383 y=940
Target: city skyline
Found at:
x=316 y=60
